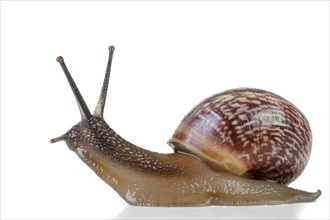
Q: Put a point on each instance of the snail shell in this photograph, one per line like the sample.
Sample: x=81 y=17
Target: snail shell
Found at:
x=249 y=132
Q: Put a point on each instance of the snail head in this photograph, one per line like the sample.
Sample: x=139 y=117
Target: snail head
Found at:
x=83 y=133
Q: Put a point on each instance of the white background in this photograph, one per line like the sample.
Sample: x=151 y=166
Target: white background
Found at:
x=169 y=56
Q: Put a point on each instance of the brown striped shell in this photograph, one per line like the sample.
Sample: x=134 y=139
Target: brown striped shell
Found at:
x=248 y=132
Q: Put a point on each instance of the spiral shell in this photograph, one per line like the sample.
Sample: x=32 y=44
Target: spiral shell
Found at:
x=249 y=132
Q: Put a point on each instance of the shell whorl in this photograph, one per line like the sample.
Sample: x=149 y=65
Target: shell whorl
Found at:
x=248 y=132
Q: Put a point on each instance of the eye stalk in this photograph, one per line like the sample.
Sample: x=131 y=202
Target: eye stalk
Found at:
x=84 y=111
x=101 y=103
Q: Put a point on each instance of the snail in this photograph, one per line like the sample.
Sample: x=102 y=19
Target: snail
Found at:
x=239 y=147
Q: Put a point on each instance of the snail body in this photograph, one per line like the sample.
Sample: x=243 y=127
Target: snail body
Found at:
x=191 y=176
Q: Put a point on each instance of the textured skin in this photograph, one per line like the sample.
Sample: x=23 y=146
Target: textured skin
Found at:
x=248 y=131
x=146 y=178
